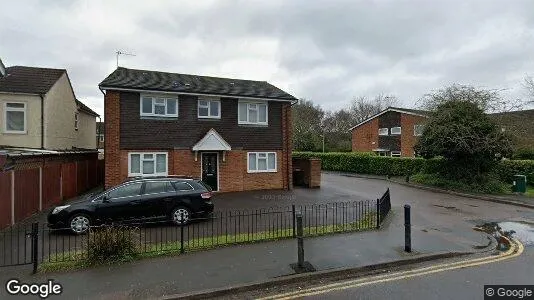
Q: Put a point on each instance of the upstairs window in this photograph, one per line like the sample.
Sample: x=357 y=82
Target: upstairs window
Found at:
x=383 y=131
x=101 y=138
x=209 y=109
x=253 y=113
x=395 y=130
x=159 y=106
x=15 y=117
x=418 y=130
x=395 y=154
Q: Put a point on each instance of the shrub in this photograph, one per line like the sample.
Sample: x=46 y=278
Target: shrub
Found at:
x=485 y=184
x=508 y=168
x=524 y=154
x=111 y=244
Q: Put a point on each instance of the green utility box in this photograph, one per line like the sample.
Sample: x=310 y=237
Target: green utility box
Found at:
x=520 y=184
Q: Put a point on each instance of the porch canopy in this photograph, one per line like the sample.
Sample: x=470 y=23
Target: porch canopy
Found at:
x=212 y=141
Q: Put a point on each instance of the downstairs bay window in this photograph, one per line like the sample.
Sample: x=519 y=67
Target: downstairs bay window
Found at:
x=147 y=164
x=259 y=162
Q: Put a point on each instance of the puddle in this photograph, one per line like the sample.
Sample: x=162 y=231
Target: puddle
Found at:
x=522 y=231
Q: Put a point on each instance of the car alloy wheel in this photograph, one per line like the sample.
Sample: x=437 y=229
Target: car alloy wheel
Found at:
x=181 y=216
x=79 y=224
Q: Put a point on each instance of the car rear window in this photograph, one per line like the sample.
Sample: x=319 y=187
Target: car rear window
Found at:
x=182 y=186
x=154 y=187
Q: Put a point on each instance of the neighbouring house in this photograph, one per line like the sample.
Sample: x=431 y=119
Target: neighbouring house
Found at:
x=394 y=131
x=100 y=130
x=38 y=109
x=391 y=132
x=233 y=134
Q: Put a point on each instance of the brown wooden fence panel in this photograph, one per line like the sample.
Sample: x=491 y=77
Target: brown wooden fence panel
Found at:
x=100 y=170
x=51 y=185
x=5 y=199
x=26 y=193
x=68 y=176
x=93 y=175
x=81 y=176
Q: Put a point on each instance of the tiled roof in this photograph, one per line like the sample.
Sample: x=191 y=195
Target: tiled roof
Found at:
x=29 y=80
x=86 y=109
x=184 y=83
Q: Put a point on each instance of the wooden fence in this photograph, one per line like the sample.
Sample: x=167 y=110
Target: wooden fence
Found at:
x=36 y=187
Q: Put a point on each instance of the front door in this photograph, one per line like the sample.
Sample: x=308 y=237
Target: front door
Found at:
x=209 y=170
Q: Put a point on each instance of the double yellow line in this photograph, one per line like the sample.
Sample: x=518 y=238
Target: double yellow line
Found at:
x=516 y=249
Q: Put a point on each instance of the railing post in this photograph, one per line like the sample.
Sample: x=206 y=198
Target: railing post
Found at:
x=182 y=250
x=407 y=229
x=293 y=219
x=300 y=241
x=34 y=244
x=377 y=213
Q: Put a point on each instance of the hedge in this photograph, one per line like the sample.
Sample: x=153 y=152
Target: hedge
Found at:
x=366 y=163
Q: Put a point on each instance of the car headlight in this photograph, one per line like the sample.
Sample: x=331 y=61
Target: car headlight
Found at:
x=59 y=208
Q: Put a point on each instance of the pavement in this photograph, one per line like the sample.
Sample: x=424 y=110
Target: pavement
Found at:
x=441 y=223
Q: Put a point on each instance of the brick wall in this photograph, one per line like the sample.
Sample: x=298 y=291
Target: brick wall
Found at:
x=287 y=146
x=408 y=140
x=365 y=137
x=112 y=153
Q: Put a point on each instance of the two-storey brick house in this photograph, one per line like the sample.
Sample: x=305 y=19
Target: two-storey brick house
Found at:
x=233 y=134
x=391 y=132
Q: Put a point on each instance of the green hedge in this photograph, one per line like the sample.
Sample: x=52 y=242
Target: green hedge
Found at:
x=366 y=163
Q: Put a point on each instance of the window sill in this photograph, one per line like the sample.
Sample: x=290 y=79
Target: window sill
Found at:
x=209 y=118
x=253 y=125
x=15 y=132
x=259 y=172
x=159 y=118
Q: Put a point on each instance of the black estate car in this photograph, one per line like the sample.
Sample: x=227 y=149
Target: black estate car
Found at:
x=137 y=200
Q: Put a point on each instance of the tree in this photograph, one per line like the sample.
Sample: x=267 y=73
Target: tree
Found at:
x=529 y=85
x=362 y=108
x=461 y=132
x=307 y=131
x=336 y=127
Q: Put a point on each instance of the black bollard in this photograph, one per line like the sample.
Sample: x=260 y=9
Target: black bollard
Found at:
x=407 y=229
x=300 y=241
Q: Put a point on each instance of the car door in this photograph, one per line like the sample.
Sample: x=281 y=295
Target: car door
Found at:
x=157 y=195
x=121 y=204
x=186 y=195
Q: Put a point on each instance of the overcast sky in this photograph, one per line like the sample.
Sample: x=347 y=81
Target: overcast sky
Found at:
x=325 y=51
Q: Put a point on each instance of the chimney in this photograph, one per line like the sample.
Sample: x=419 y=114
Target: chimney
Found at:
x=2 y=69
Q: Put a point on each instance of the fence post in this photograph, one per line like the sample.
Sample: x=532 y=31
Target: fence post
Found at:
x=182 y=250
x=34 y=244
x=407 y=229
x=300 y=241
x=293 y=219
x=377 y=213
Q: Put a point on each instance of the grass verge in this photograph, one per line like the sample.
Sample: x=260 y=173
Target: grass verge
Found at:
x=483 y=185
x=74 y=260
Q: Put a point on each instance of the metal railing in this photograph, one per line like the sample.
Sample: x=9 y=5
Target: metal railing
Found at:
x=37 y=244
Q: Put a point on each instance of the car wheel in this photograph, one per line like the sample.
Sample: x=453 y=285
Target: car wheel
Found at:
x=181 y=215
x=79 y=223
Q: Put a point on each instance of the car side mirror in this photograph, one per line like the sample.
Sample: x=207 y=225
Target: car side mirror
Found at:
x=105 y=199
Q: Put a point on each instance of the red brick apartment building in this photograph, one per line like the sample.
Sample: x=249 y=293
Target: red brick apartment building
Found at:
x=392 y=132
x=233 y=134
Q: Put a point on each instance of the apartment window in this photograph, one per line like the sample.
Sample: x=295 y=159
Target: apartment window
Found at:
x=261 y=162
x=383 y=131
x=101 y=138
x=209 y=109
x=75 y=121
x=395 y=130
x=395 y=154
x=15 y=117
x=418 y=130
x=147 y=164
x=159 y=106
x=252 y=113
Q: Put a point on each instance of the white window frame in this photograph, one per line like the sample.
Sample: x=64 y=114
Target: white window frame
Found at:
x=130 y=174
x=76 y=120
x=381 y=131
x=267 y=158
x=154 y=97
x=248 y=103
x=8 y=109
x=415 y=129
x=101 y=138
x=395 y=154
x=218 y=116
x=396 y=133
